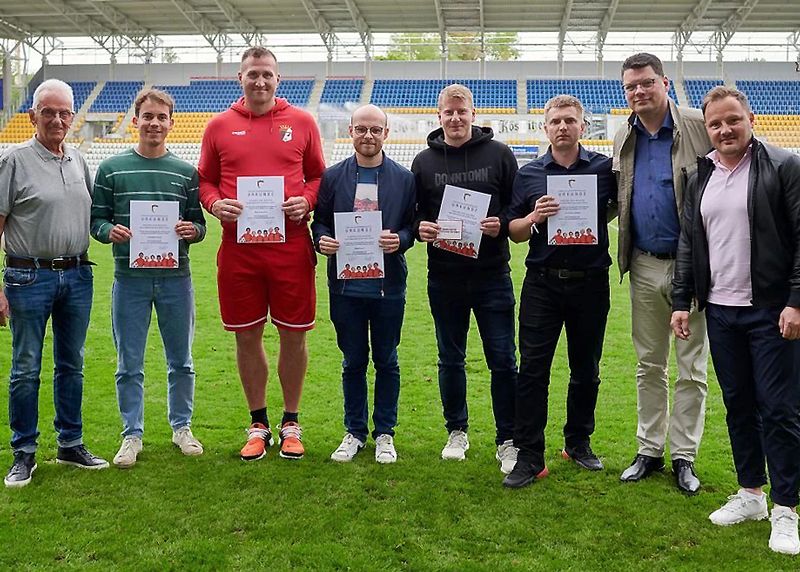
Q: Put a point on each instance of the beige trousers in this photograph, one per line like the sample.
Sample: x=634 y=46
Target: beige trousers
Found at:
x=651 y=310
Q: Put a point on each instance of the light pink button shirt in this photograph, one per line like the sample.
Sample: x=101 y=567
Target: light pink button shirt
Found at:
x=724 y=212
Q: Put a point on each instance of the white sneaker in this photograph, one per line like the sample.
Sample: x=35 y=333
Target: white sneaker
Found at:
x=187 y=442
x=456 y=447
x=130 y=448
x=349 y=448
x=783 y=537
x=740 y=507
x=385 y=452
x=507 y=455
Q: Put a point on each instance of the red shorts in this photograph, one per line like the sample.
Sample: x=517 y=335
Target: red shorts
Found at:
x=260 y=280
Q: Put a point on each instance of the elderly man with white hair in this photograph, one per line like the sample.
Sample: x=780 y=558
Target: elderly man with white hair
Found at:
x=45 y=201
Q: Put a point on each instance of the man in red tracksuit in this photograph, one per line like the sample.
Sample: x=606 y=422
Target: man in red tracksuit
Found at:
x=263 y=135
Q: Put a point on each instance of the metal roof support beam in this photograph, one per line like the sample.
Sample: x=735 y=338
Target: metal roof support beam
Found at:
x=602 y=34
x=482 y=24
x=723 y=34
x=243 y=26
x=49 y=44
x=13 y=29
x=562 y=34
x=83 y=23
x=324 y=29
x=363 y=29
x=437 y=5
x=686 y=28
x=116 y=24
x=210 y=31
x=794 y=41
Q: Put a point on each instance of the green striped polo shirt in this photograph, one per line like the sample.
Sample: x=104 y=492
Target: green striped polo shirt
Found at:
x=128 y=177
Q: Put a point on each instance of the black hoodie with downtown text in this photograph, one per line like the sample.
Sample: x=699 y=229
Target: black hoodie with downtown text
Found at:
x=481 y=164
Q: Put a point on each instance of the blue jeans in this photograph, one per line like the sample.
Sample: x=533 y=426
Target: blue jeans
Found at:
x=491 y=298
x=132 y=300
x=358 y=322
x=34 y=296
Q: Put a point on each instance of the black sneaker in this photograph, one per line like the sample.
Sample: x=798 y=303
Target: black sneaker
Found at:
x=79 y=456
x=20 y=473
x=524 y=473
x=583 y=457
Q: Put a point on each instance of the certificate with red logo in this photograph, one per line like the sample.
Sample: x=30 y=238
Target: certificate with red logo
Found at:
x=359 y=255
x=262 y=218
x=576 y=222
x=469 y=208
x=154 y=242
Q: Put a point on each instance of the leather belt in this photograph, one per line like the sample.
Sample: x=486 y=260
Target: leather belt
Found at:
x=60 y=263
x=564 y=274
x=659 y=255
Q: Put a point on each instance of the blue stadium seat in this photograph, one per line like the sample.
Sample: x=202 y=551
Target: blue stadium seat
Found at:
x=423 y=93
x=80 y=91
x=772 y=97
x=597 y=95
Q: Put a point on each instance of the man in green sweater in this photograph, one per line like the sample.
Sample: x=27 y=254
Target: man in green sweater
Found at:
x=149 y=172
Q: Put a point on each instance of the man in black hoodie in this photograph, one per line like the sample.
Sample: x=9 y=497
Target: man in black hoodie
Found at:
x=465 y=156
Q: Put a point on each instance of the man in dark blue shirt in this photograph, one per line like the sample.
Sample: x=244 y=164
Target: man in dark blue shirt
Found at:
x=566 y=285
x=655 y=152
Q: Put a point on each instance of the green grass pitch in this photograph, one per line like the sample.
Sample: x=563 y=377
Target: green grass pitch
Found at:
x=215 y=512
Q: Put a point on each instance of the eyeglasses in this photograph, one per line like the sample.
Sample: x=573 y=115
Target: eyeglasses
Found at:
x=644 y=84
x=64 y=114
x=376 y=131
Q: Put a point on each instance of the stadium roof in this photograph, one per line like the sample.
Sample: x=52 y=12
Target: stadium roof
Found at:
x=218 y=20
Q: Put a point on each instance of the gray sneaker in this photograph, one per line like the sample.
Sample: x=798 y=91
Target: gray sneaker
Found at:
x=507 y=455
x=21 y=471
x=740 y=507
x=385 y=452
x=186 y=442
x=456 y=447
x=349 y=448
x=784 y=538
x=128 y=451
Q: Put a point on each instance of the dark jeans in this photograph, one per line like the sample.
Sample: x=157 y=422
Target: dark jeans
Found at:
x=491 y=298
x=581 y=306
x=34 y=296
x=759 y=373
x=358 y=322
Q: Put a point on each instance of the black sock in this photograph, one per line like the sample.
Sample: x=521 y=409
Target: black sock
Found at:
x=259 y=416
x=289 y=417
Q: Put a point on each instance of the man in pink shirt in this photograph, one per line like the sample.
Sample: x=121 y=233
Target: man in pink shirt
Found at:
x=739 y=258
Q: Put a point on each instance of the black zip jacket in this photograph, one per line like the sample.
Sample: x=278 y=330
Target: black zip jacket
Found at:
x=481 y=164
x=773 y=209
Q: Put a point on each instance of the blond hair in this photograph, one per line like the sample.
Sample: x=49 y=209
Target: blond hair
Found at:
x=456 y=91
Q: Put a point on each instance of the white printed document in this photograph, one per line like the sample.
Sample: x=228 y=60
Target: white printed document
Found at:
x=359 y=255
x=262 y=218
x=154 y=242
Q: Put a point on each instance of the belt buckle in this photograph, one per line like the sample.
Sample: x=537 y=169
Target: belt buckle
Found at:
x=563 y=274
x=56 y=261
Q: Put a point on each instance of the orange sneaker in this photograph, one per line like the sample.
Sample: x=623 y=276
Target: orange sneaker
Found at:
x=259 y=438
x=291 y=441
